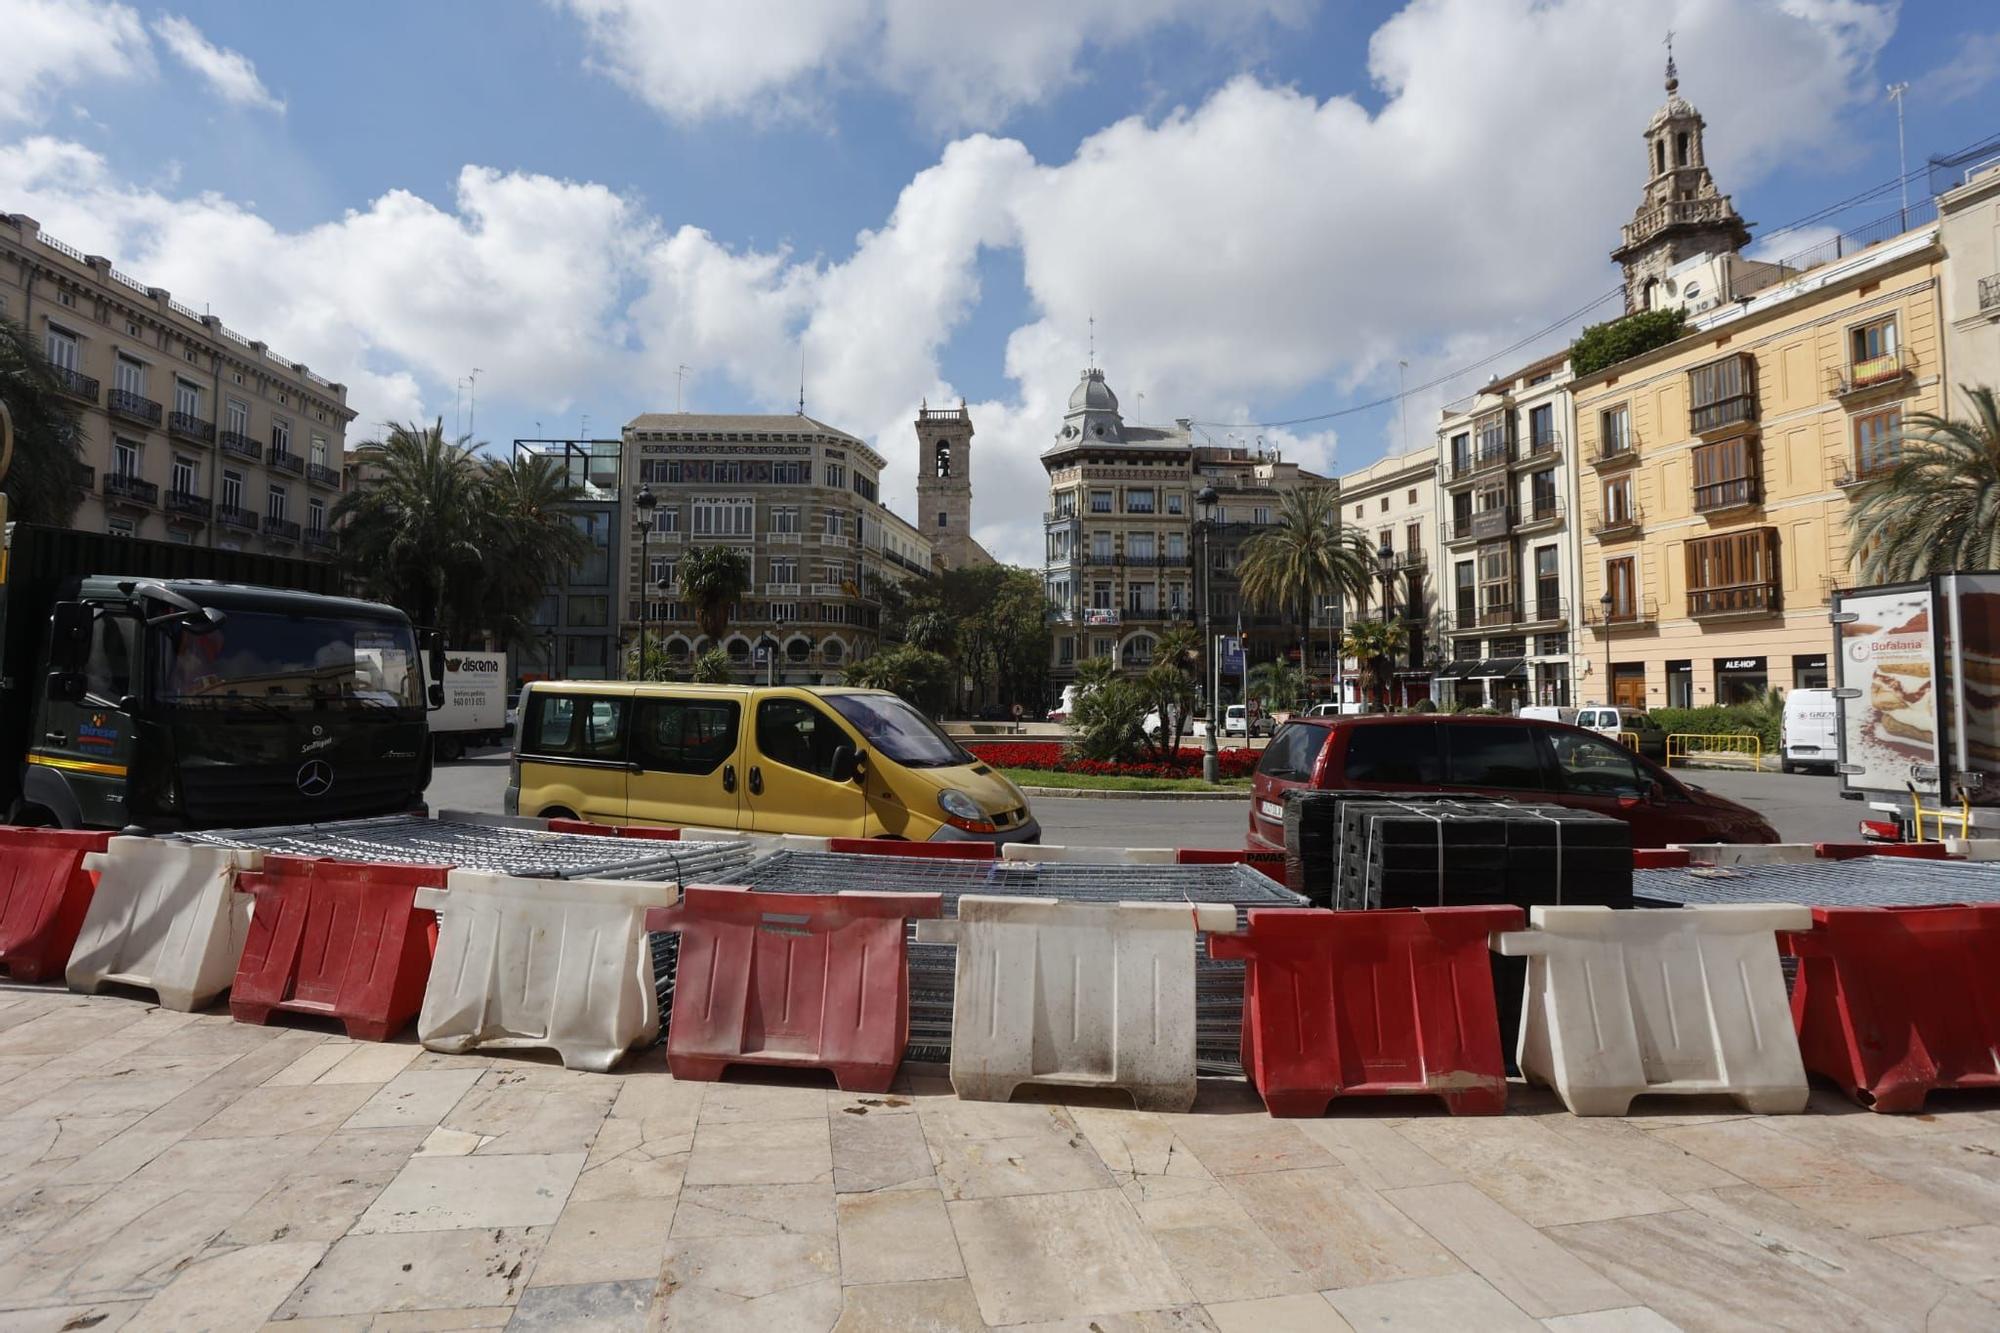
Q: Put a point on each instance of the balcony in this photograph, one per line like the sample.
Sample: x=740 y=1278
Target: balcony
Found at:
x=1743 y=599
x=1891 y=370
x=186 y=505
x=74 y=383
x=825 y=589
x=318 y=539
x=775 y=538
x=1606 y=460
x=124 y=403
x=1619 y=527
x=1644 y=611
x=1485 y=460
x=1543 y=449
x=1410 y=560
x=1101 y=615
x=1849 y=477
x=832 y=539
x=1734 y=493
x=284 y=462
x=124 y=488
x=280 y=529
x=1540 y=512
x=237 y=517
x=1989 y=295
x=1544 y=612
x=238 y=445
x=1052 y=516
x=188 y=426
x=781 y=590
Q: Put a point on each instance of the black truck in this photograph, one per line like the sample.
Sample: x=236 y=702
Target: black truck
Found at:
x=154 y=686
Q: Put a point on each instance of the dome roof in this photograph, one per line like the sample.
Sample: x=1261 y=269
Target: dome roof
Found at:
x=1676 y=107
x=1092 y=394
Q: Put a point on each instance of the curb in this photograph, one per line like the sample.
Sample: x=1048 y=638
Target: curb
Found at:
x=1089 y=794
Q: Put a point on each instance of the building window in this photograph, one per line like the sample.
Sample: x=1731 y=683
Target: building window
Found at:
x=187 y=398
x=1176 y=546
x=1100 y=502
x=120 y=527
x=1621 y=580
x=1872 y=343
x=232 y=490
x=836 y=475
x=1261 y=514
x=1176 y=502
x=589 y=612
x=66 y=297
x=1100 y=548
x=1878 y=441
x=785 y=518
x=944 y=519
x=61 y=348
x=1721 y=393
x=281 y=436
x=667 y=518
x=318 y=447
x=835 y=523
x=315 y=515
x=130 y=376
x=125 y=458
x=1725 y=474
x=1615 y=431
x=186 y=477
x=1413 y=541
x=1411 y=498
x=1384 y=507
x=277 y=503
x=724 y=518
x=1140 y=546
x=1617 y=502
x=784 y=571
x=1735 y=572
x=236 y=416
x=1138 y=502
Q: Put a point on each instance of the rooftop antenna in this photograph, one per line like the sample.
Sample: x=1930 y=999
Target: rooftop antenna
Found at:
x=1142 y=409
x=1093 y=342
x=583 y=431
x=802 y=376
x=680 y=381
x=1896 y=91
x=472 y=402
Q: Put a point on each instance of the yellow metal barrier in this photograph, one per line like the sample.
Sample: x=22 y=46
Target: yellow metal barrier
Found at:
x=1630 y=740
x=1940 y=815
x=1711 y=749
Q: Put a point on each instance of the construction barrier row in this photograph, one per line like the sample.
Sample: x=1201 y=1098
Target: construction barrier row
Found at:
x=1890 y=1004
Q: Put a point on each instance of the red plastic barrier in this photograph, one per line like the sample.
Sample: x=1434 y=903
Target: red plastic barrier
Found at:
x=804 y=980
x=1914 y=851
x=44 y=893
x=944 y=851
x=1271 y=863
x=1659 y=858
x=1356 y=1004
x=341 y=939
x=1892 y=1002
x=614 y=830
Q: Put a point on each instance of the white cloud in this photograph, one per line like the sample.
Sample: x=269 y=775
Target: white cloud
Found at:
x=53 y=44
x=228 y=72
x=964 y=63
x=1972 y=68
x=1259 y=246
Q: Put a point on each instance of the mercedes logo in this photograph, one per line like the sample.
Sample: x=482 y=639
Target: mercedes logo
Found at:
x=315 y=778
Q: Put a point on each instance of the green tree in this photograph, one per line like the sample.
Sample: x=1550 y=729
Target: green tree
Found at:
x=1305 y=557
x=923 y=678
x=525 y=535
x=1615 y=340
x=712 y=579
x=411 y=538
x=1168 y=691
x=656 y=663
x=41 y=482
x=711 y=668
x=931 y=631
x=1108 y=722
x=1938 y=507
x=1374 y=644
x=1278 y=683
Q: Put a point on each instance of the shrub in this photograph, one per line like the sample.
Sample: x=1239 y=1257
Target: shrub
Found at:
x=1051 y=757
x=1107 y=724
x=1722 y=720
x=1613 y=341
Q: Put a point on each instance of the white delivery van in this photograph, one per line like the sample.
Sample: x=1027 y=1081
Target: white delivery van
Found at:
x=1811 y=732
x=475 y=704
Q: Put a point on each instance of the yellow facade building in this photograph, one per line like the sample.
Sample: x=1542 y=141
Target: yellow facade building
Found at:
x=1717 y=471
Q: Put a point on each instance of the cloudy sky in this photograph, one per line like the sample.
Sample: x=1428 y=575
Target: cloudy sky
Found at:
x=1266 y=206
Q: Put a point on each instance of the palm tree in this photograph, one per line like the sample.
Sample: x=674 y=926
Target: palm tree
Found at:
x=1374 y=643
x=931 y=631
x=712 y=578
x=1278 y=683
x=527 y=538
x=41 y=481
x=1938 y=507
x=411 y=537
x=1303 y=557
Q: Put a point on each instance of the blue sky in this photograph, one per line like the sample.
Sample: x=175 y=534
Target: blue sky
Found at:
x=1265 y=205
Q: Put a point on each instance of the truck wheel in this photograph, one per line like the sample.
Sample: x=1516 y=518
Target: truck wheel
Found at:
x=447 y=749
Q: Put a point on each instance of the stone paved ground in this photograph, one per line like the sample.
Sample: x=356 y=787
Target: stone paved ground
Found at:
x=162 y=1170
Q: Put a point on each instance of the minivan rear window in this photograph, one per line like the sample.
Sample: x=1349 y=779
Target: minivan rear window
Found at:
x=1293 y=751
x=1492 y=756
x=575 y=726
x=1395 y=755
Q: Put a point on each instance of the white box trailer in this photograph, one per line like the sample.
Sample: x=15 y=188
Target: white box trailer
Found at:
x=1917 y=683
x=475 y=704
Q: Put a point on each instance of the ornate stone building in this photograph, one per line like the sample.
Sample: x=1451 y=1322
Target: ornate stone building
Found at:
x=1682 y=214
x=944 y=485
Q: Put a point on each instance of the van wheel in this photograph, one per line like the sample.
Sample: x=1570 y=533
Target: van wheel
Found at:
x=1785 y=766
x=446 y=749
x=557 y=812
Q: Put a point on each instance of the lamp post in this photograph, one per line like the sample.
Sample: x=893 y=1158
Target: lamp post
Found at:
x=1333 y=654
x=1211 y=766
x=1385 y=560
x=1605 y=604
x=645 y=501
x=549 y=653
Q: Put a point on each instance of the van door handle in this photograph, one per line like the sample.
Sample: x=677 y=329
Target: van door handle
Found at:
x=756 y=780
x=58 y=737
x=729 y=777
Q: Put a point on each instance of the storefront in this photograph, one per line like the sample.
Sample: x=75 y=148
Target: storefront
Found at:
x=1628 y=684
x=1740 y=679
x=1680 y=684
x=1809 y=671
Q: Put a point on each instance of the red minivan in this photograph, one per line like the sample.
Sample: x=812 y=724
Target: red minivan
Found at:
x=1514 y=758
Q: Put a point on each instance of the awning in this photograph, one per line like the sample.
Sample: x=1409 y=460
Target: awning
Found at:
x=1501 y=668
x=1459 y=670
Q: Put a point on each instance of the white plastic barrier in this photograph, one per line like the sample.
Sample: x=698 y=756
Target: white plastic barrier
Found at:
x=1749 y=853
x=1079 y=994
x=1974 y=849
x=1102 y=856
x=556 y=963
x=762 y=842
x=1679 y=1000
x=166 y=916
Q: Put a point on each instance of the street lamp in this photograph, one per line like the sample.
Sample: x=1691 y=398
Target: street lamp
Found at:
x=645 y=500
x=1385 y=560
x=1211 y=766
x=1333 y=618
x=1605 y=604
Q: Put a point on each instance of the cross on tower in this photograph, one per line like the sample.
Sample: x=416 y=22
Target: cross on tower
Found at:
x=1093 y=341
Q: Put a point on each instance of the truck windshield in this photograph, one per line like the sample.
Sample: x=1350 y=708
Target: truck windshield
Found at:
x=293 y=662
x=899 y=731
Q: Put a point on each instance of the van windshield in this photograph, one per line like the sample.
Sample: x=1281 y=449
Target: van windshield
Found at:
x=899 y=731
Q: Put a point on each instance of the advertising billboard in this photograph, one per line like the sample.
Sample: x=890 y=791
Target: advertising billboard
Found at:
x=1970 y=655
x=1886 y=662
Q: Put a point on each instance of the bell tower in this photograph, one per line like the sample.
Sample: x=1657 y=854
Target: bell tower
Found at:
x=1681 y=213
x=944 y=483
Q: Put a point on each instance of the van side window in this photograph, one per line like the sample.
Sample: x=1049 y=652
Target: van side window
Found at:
x=794 y=733
x=1594 y=766
x=684 y=735
x=1398 y=755
x=108 y=673
x=1293 y=752
x=580 y=728
x=1496 y=756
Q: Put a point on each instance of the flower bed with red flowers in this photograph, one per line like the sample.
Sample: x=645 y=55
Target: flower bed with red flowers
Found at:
x=1054 y=757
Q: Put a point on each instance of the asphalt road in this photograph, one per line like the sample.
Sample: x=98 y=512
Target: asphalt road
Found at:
x=1803 y=808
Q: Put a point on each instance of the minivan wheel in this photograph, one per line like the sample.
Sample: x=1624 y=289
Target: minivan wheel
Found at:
x=557 y=812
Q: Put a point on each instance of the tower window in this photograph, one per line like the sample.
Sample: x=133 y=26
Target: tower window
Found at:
x=1681 y=149
x=944 y=458
x=943 y=519
x=1660 y=157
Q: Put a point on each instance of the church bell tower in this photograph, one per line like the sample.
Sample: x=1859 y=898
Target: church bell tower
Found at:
x=944 y=483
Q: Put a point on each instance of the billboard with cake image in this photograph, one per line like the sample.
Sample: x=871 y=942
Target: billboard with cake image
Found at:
x=1887 y=657
x=1971 y=658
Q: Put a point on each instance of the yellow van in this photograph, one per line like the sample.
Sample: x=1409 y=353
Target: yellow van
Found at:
x=824 y=761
